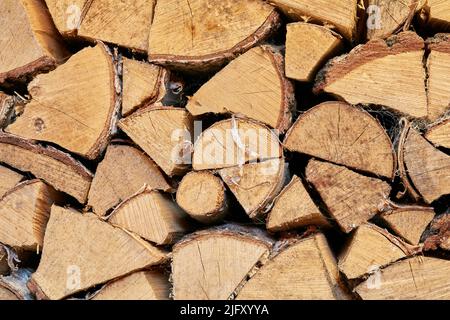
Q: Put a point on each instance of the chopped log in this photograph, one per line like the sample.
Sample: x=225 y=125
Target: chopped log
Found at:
x=255 y=185
x=252 y=85
x=165 y=134
x=435 y=15
x=308 y=47
x=345 y=135
x=417 y=278
x=124 y=171
x=61 y=107
x=81 y=251
x=234 y=142
x=369 y=249
x=212 y=32
x=7 y=295
x=203 y=196
x=212 y=264
x=438 y=236
x=16 y=283
x=30 y=43
x=351 y=198
x=153 y=216
x=340 y=14
x=8 y=179
x=142 y=285
x=439 y=135
x=55 y=167
x=294 y=208
x=303 y=270
x=375 y=73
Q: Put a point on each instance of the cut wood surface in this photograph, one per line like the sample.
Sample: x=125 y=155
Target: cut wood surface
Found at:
x=439 y=135
x=253 y=85
x=124 y=171
x=209 y=32
x=71 y=263
x=308 y=47
x=436 y=15
x=346 y=135
x=8 y=179
x=6 y=295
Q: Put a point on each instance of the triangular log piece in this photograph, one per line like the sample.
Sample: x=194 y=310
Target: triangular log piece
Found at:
x=294 y=208
x=417 y=278
x=165 y=134
x=30 y=42
x=308 y=47
x=212 y=33
x=439 y=135
x=16 y=282
x=375 y=73
x=8 y=179
x=252 y=85
x=436 y=15
x=55 y=167
x=343 y=134
x=202 y=195
x=255 y=185
x=81 y=251
x=212 y=264
x=438 y=236
x=124 y=171
x=351 y=198
x=61 y=110
x=304 y=270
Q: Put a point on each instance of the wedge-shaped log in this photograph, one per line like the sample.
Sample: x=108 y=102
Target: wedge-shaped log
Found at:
x=8 y=179
x=439 y=135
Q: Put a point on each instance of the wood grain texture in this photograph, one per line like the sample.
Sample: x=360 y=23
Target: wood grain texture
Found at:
x=8 y=179
x=439 y=135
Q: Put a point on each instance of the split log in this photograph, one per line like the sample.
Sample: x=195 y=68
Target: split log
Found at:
x=80 y=251
x=151 y=215
x=142 y=285
x=203 y=196
x=417 y=278
x=438 y=236
x=8 y=179
x=124 y=171
x=212 y=264
x=252 y=85
x=439 y=135
x=61 y=110
x=211 y=32
x=294 y=208
x=16 y=283
x=30 y=43
x=165 y=134
x=436 y=15
x=351 y=198
x=345 y=135
x=375 y=73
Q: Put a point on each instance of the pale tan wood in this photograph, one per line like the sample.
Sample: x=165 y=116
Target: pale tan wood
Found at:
x=253 y=85
x=439 y=135
x=207 y=33
x=203 y=196
x=165 y=134
x=6 y=295
x=67 y=14
x=351 y=198
x=417 y=278
x=8 y=179
x=61 y=110
x=436 y=15
x=374 y=73
x=308 y=47
x=293 y=208
x=123 y=172
x=142 y=285
x=255 y=185
x=83 y=243
x=343 y=134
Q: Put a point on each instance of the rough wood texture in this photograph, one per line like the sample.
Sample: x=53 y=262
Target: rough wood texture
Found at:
x=346 y=135
x=351 y=198
x=438 y=236
x=55 y=167
x=123 y=172
x=71 y=263
x=308 y=47
x=252 y=85
x=8 y=179
x=439 y=135
x=165 y=134
x=6 y=295
x=61 y=107
x=436 y=15
x=212 y=33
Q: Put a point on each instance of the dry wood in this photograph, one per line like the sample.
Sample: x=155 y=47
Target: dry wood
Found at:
x=30 y=42
x=212 y=32
x=165 y=134
x=252 y=85
x=202 y=195
x=375 y=73
x=436 y=15
x=8 y=179
x=351 y=198
x=6 y=294
x=81 y=251
x=417 y=278
x=346 y=135
x=308 y=47
x=123 y=172
x=439 y=135
x=438 y=236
